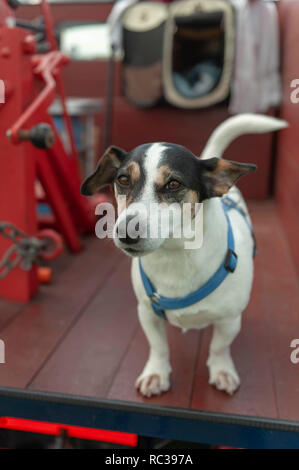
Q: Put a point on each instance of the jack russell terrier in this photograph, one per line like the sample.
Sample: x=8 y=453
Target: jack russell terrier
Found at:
x=191 y=288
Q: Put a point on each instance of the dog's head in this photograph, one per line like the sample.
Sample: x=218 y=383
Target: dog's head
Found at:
x=157 y=175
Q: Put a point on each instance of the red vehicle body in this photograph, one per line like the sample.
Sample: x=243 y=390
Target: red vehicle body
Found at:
x=83 y=346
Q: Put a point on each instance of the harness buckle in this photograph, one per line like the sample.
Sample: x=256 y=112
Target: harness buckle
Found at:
x=231 y=259
x=155 y=298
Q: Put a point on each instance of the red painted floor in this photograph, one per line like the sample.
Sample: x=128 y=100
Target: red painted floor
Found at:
x=81 y=336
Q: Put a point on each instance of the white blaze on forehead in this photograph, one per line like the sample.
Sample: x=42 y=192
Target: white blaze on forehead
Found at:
x=151 y=164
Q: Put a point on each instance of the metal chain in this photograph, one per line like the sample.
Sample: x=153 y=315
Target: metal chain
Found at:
x=24 y=251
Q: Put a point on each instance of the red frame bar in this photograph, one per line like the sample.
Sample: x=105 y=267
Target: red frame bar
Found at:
x=63 y=188
x=54 y=429
x=60 y=85
x=44 y=67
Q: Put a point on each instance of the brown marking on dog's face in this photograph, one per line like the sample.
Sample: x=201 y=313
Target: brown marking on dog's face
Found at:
x=133 y=170
x=163 y=176
x=192 y=197
x=129 y=200
x=121 y=202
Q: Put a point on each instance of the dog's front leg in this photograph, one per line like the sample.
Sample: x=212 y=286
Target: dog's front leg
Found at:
x=222 y=370
x=154 y=378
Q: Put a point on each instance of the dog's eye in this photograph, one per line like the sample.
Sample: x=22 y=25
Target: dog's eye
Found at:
x=173 y=185
x=123 y=180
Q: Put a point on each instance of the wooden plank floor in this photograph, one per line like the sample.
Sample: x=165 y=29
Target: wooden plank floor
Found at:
x=81 y=335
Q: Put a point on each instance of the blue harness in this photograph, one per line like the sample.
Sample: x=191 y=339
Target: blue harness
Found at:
x=161 y=303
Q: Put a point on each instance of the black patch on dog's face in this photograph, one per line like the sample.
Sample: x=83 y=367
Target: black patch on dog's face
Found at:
x=206 y=178
x=199 y=179
x=183 y=167
x=137 y=156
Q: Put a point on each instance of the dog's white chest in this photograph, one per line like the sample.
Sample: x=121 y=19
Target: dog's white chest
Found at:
x=188 y=321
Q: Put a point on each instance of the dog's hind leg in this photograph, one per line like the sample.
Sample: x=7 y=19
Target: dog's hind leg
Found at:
x=222 y=370
x=154 y=378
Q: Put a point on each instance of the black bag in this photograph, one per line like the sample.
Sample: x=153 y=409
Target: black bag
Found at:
x=143 y=35
x=183 y=51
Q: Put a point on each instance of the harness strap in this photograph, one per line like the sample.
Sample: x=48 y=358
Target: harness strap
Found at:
x=227 y=204
x=161 y=303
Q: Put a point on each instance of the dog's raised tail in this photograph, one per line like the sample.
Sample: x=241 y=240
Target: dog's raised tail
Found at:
x=236 y=126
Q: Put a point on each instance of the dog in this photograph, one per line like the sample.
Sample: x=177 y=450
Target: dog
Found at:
x=165 y=174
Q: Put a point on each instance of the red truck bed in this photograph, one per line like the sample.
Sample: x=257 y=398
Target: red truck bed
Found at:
x=80 y=337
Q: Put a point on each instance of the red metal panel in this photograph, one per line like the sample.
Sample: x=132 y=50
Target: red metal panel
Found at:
x=17 y=169
x=287 y=172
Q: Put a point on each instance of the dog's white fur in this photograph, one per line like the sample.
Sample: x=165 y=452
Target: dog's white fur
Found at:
x=147 y=197
x=176 y=272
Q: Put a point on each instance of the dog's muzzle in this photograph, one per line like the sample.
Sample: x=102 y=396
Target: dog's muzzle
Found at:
x=125 y=234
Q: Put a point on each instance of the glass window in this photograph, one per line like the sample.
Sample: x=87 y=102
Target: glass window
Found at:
x=85 y=41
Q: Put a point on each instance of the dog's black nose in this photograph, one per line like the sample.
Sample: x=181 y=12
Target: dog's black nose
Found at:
x=127 y=238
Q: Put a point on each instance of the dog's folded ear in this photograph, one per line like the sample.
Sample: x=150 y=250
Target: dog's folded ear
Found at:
x=219 y=175
x=105 y=171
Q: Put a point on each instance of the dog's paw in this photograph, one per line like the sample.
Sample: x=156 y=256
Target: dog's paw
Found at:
x=152 y=382
x=225 y=381
x=223 y=375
